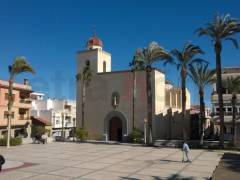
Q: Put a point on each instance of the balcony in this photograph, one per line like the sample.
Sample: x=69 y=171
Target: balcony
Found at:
x=23 y=117
x=226 y=98
x=25 y=103
x=225 y=114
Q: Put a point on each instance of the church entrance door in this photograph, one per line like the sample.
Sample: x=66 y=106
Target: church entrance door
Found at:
x=115 y=129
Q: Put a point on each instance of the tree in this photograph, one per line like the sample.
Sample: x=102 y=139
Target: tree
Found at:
x=135 y=65
x=232 y=84
x=183 y=59
x=201 y=76
x=223 y=27
x=146 y=57
x=20 y=65
x=86 y=77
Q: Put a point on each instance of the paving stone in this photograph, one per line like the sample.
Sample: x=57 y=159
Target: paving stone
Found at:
x=15 y=175
x=92 y=165
x=90 y=161
x=42 y=168
x=71 y=172
x=48 y=177
x=105 y=175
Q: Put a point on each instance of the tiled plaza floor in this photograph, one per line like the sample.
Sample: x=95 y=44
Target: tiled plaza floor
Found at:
x=60 y=161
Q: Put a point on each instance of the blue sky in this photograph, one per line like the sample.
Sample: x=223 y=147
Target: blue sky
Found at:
x=49 y=33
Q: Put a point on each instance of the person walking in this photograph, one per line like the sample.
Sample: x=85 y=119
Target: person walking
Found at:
x=2 y=161
x=186 y=151
x=44 y=138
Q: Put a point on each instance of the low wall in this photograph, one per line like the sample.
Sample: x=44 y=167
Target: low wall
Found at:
x=170 y=126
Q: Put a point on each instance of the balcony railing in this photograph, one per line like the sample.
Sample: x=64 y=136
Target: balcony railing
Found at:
x=22 y=117
x=226 y=97
x=25 y=101
x=225 y=114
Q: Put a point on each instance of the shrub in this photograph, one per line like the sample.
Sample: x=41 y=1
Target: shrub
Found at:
x=37 y=130
x=13 y=141
x=135 y=136
x=82 y=134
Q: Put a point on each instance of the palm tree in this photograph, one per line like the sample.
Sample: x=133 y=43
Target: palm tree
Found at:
x=201 y=76
x=232 y=84
x=220 y=29
x=146 y=57
x=183 y=59
x=86 y=77
x=135 y=65
x=20 y=65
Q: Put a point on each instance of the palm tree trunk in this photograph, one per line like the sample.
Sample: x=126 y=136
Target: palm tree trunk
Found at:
x=149 y=105
x=134 y=98
x=218 y=49
x=10 y=104
x=83 y=102
x=183 y=76
x=234 y=110
x=202 y=114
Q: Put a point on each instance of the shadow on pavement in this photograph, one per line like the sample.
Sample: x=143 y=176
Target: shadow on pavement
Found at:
x=228 y=168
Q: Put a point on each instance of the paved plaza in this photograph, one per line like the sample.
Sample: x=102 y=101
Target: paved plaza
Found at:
x=64 y=161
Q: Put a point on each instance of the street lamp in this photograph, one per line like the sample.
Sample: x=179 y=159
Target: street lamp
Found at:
x=63 y=117
x=145 y=130
x=74 y=125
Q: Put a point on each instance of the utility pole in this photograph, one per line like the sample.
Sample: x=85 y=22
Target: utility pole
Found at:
x=62 y=134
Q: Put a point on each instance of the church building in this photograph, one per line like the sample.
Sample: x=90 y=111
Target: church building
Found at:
x=109 y=112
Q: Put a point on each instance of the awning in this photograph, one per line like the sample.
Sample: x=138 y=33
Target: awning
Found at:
x=41 y=120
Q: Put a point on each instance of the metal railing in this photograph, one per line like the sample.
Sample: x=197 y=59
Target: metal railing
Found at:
x=225 y=113
x=25 y=101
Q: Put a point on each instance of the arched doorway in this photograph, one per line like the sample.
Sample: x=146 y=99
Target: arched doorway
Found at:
x=115 y=129
x=115 y=120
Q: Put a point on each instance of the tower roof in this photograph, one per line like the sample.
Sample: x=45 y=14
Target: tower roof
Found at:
x=94 y=41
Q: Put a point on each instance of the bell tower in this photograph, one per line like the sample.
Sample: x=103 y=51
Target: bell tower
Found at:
x=94 y=56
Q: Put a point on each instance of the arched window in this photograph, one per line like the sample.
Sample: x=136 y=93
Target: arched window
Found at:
x=104 y=66
x=87 y=63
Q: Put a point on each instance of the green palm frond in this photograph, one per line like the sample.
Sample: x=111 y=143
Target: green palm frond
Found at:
x=20 y=65
x=86 y=75
x=201 y=75
x=186 y=56
x=153 y=53
x=78 y=77
x=223 y=27
x=232 y=84
x=137 y=62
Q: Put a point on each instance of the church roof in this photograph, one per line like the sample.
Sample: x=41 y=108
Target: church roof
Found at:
x=94 y=41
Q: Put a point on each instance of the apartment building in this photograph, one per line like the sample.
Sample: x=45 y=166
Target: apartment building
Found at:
x=21 y=122
x=227 y=96
x=59 y=112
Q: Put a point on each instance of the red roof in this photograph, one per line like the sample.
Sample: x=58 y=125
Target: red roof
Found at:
x=94 y=41
x=41 y=120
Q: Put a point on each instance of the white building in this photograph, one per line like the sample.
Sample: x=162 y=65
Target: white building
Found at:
x=61 y=113
x=227 y=96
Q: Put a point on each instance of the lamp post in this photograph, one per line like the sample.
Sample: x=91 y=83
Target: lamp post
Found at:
x=74 y=125
x=145 y=130
x=62 y=134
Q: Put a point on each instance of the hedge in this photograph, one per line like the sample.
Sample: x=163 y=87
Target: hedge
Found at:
x=13 y=141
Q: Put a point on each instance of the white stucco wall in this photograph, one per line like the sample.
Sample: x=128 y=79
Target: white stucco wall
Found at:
x=96 y=57
x=103 y=56
x=159 y=87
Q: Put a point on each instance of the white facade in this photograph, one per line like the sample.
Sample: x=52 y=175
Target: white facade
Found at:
x=227 y=96
x=61 y=113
